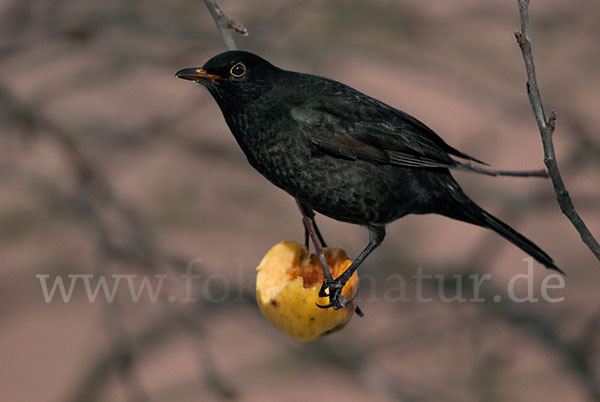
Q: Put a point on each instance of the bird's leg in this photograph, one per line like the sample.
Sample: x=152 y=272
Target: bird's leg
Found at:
x=307 y=212
x=308 y=220
x=317 y=231
x=311 y=230
x=333 y=288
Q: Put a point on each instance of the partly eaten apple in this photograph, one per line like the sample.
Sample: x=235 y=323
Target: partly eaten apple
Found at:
x=287 y=290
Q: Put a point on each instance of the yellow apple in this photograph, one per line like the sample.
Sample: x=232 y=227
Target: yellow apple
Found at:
x=287 y=290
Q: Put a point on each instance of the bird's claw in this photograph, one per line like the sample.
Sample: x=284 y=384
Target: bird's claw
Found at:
x=333 y=290
x=337 y=304
x=329 y=287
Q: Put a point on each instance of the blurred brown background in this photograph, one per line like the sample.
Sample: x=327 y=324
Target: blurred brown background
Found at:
x=111 y=166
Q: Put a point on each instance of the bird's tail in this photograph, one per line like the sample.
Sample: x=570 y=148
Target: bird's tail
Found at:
x=472 y=213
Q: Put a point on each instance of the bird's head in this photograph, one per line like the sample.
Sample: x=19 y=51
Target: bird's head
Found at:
x=233 y=76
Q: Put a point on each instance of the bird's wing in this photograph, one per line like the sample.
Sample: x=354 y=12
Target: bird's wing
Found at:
x=346 y=146
x=355 y=126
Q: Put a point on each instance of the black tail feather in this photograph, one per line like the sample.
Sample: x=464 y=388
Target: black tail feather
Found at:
x=518 y=240
x=472 y=213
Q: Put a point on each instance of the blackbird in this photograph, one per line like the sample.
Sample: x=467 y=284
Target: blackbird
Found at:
x=341 y=153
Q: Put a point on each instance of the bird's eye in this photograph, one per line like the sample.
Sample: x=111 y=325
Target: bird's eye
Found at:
x=238 y=70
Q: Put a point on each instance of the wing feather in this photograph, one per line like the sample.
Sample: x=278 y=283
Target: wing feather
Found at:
x=356 y=126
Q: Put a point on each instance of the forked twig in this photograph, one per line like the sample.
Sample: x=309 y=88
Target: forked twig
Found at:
x=546 y=127
x=225 y=24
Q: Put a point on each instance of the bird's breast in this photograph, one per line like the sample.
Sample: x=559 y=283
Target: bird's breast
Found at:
x=346 y=190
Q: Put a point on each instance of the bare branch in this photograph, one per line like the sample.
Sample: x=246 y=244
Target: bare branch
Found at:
x=546 y=127
x=225 y=23
x=497 y=172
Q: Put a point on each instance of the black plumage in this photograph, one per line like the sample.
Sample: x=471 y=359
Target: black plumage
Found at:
x=340 y=152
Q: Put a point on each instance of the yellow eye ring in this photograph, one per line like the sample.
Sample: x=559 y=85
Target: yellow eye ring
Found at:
x=238 y=70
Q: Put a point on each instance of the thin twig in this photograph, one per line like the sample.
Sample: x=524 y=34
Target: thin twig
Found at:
x=225 y=24
x=546 y=127
x=497 y=172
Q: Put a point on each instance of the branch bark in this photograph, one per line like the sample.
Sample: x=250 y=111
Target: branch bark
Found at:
x=225 y=24
x=546 y=128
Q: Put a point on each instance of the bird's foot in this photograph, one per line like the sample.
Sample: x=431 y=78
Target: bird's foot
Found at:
x=333 y=289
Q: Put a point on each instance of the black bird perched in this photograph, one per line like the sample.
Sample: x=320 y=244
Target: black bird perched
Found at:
x=341 y=153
